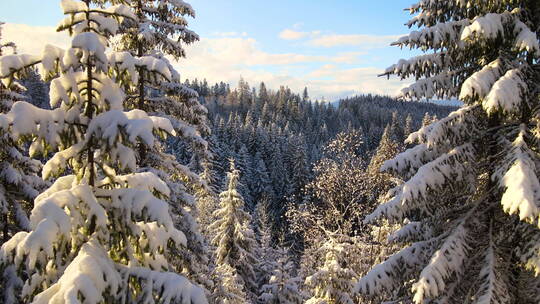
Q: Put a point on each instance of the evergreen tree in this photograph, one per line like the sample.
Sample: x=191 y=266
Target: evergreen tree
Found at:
x=397 y=128
x=19 y=180
x=261 y=186
x=266 y=250
x=281 y=288
x=471 y=184
x=333 y=283
x=230 y=289
x=207 y=198
x=408 y=129
x=426 y=121
x=387 y=150
x=305 y=95
x=244 y=93
x=279 y=178
x=100 y=233
x=246 y=177
x=36 y=90
x=234 y=240
x=153 y=85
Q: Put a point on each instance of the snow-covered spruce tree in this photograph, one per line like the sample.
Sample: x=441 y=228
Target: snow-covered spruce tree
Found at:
x=427 y=120
x=19 y=182
x=408 y=128
x=471 y=188
x=388 y=148
x=266 y=252
x=261 y=188
x=153 y=85
x=333 y=283
x=282 y=288
x=243 y=161
x=207 y=199
x=37 y=90
x=229 y=288
x=234 y=240
x=100 y=233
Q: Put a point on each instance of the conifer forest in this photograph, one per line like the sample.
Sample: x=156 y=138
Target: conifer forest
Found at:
x=122 y=180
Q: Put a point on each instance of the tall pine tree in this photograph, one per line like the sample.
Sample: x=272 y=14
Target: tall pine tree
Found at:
x=282 y=287
x=153 y=85
x=234 y=240
x=471 y=186
x=100 y=233
x=19 y=180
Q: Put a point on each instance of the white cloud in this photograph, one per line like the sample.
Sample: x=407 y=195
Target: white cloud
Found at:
x=288 y=34
x=318 y=39
x=341 y=82
x=32 y=39
x=348 y=57
x=366 y=41
x=293 y=34
x=228 y=58
x=232 y=51
x=230 y=34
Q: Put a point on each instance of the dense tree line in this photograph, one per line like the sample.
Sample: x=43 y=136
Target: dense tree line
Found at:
x=277 y=137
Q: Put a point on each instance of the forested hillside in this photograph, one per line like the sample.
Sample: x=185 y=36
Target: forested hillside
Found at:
x=277 y=138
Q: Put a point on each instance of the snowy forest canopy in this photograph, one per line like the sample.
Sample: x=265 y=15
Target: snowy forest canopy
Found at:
x=122 y=182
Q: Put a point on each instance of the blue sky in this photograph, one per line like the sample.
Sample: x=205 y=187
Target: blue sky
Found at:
x=335 y=48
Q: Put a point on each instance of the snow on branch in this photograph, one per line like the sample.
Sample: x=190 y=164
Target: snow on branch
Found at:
x=408 y=233
x=73 y=6
x=51 y=223
x=15 y=64
x=91 y=45
x=143 y=181
x=90 y=275
x=407 y=162
x=447 y=168
x=52 y=60
x=182 y=6
x=455 y=127
x=526 y=39
x=136 y=124
x=507 y=94
x=489 y=26
x=27 y=119
x=388 y=275
x=493 y=289
x=440 y=85
x=492 y=25
x=445 y=262
x=58 y=163
x=425 y=65
x=438 y=36
x=143 y=205
x=518 y=178
x=171 y=287
x=478 y=85
x=124 y=62
x=105 y=21
x=185 y=130
x=97 y=279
